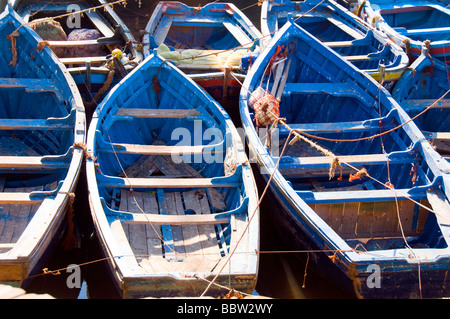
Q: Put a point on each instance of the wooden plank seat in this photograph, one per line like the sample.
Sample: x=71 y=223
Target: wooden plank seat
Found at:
x=108 y=181
x=340 y=127
x=318 y=88
x=338 y=44
x=30 y=84
x=155 y=149
x=83 y=60
x=343 y=196
x=319 y=166
x=233 y=180
x=345 y=160
x=165 y=219
x=421 y=104
x=100 y=41
x=347 y=29
x=442 y=136
x=358 y=41
x=422 y=32
x=22 y=198
x=157 y=113
x=34 y=162
x=160 y=149
x=51 y=123
x=381 y=123
x=178 y=246
x=355 y=58
x=36 y=124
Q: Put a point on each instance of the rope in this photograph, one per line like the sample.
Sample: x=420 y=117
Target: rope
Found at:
x=12 y=38
x=103 y=89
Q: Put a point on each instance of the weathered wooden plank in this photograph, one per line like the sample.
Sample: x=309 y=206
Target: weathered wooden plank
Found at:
x=349 y=220
x=169 y=183
x=421 y=104
x=153 y=232
x=124 y=148
x=30 y=84
x=338 y=44
x=355 y=195
x=338 y=127
x=191 y=237
x=122 y=241
x=346 y=28
x=10 y=219
x=175 y=208
x=83 y=60
x=353 y=160
x=197 y=201
x=19 y=198
x=30 y=162
x=157 y=113
x=81 y=43
x=176 y=219
x=354 y=58
x=319 y=88
x=22 y=217
x=238 y=33
x=100 y=23
x=137 y=234
x=166 y=230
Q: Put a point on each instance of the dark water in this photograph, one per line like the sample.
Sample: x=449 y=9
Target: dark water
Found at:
x=281 y=275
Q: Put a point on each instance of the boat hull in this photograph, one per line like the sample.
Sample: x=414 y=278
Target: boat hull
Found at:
x=410 y=24
x=360 y=230
x=180 y=255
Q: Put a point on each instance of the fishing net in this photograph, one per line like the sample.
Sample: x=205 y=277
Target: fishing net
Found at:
x=87 y=50
x=50 y=30
x=266 y=107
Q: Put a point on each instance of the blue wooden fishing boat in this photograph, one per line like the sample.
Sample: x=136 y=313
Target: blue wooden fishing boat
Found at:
x=42 y=132
x=410 y=23
x=172 y=194
x=218 y=32
x=423 y=89
x=350 y=191
x=339 y=29
x=86 y=42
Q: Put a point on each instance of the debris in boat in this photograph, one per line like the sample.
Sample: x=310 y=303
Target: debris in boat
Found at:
x=358 y=175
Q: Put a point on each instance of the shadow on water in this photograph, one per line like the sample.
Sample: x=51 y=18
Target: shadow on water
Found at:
x=281 y=275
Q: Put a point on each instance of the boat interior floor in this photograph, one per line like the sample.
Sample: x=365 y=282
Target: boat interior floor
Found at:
x=14 y=217
x=184 y=248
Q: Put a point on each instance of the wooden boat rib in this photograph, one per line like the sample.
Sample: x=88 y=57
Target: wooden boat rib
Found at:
x=89 y=72
x=424 y=85
x=352 y=218
x=42 y=130
x=411 y=23
x=171 y=192
x=368 y=49
x=206 y=31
